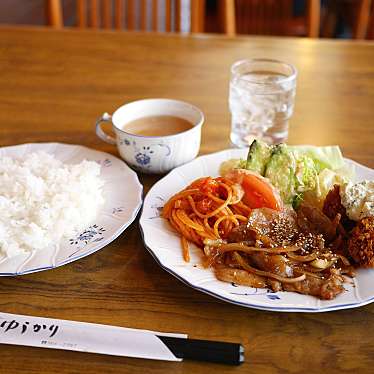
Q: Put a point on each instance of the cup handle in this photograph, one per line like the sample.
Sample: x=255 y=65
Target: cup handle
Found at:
x=101 y=133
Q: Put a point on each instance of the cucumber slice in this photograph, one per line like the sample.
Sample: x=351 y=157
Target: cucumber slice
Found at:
x=258 y=156
x=280 y=170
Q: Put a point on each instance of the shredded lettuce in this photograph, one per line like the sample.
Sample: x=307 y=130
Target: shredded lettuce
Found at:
x=317 y=170
x=306 y=173
x=329 y=157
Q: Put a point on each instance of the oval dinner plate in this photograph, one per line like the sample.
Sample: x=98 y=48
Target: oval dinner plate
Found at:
x=123 y=198
x=164 y=244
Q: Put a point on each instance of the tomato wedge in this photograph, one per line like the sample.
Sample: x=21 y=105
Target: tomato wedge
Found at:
x=258 y=192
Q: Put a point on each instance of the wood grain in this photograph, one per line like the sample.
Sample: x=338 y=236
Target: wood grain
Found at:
x=56 y=83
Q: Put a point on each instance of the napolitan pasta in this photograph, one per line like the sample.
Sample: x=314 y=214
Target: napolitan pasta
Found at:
x=207 y=209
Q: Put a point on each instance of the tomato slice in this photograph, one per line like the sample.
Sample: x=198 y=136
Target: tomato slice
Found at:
x=258 y=194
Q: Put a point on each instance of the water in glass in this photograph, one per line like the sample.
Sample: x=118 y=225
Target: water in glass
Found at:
x=261 y=103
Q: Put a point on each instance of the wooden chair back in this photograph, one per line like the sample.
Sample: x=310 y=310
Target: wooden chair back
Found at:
x=273 y=17
x=365 y=10
x=356 y=14
x=370 y=33
x=124 y=14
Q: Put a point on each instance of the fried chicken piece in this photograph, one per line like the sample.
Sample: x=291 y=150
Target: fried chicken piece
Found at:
x=361 y=242
x=333 y=206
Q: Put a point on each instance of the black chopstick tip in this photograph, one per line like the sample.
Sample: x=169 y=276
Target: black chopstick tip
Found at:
x=204 y=350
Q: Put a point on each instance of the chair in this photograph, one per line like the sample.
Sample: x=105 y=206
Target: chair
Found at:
x=270 y=17
x=354 y=13
x=370 y=34
x=363 y=19
x=121 y=14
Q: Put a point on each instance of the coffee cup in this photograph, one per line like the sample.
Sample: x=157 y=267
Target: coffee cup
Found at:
x=157 y=153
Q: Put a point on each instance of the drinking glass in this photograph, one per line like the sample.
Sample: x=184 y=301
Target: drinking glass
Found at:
x=261 y=100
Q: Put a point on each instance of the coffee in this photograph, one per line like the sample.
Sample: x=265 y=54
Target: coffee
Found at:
x=157 y=126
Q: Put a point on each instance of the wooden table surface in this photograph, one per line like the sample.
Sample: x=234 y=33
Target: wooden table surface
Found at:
x=53 y=87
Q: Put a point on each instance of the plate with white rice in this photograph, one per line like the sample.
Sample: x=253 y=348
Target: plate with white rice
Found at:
x=59 y=203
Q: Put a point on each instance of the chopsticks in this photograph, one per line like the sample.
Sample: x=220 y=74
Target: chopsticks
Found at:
x=205 y=350
x=86 y=337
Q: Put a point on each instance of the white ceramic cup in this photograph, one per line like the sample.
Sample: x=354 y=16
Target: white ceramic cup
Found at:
x=154 y=154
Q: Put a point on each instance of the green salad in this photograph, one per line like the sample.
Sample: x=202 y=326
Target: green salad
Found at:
x=298 y=172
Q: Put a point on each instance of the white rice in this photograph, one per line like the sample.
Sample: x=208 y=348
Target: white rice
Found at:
x=43 y=200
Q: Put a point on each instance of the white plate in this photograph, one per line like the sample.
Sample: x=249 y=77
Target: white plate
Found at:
x=164 y=244
x=123 y=199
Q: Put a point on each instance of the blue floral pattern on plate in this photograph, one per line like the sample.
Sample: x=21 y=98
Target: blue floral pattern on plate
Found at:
x=105 y=163
x=157 y=207
x=118 y=210
x=91 y=235
x=257 y=292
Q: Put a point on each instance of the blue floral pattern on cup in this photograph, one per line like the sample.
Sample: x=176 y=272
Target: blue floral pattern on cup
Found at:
x=143 y=155
x=142 y=158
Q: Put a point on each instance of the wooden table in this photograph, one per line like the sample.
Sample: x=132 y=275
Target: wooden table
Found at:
x=53 y=87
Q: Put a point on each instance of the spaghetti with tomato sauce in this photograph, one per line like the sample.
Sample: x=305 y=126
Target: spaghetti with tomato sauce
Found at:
x=209 y=208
